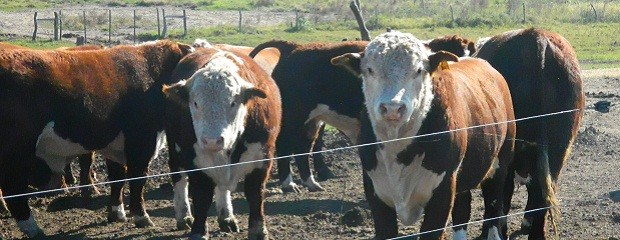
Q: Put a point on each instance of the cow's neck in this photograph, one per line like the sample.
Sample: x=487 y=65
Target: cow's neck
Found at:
x=421 y=107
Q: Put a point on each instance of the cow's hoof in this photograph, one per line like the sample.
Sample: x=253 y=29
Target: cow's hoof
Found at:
x=116 y=217
x=292 y=188
x=316 y=188
x=143 y=221
x=324 y=174
x=185 y=223
x=196 y=236
x=228 y=225
x=263 y=235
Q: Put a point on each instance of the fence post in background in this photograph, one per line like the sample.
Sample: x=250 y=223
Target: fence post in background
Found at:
x=184 y=24
x=55 y=26
x=134 y=26
x=452 y=15
x=109 y=27
x=60 y=23
x=84 y=20
x=34 y=34
x=523 y=13
x=240 y=19
x=164 y=33
x=595 y=14
x=158 y=25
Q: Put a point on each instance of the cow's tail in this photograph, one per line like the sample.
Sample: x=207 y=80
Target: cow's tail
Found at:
x=285 y=47
x=544 y=176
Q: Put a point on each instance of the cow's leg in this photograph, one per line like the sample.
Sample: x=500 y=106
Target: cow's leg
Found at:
x=15 y=182
x=87 y=175
x=509 y=187
x=304 y=145
x=254 y=186
x=493 y=194
x=182 y=208
x=284 y=173
x=116 y=209
x=3 y=208
x=139 y=149
x=461 y=213
x=225 y=216
x=437 y=209
x=201 y=189
x=383 y=215
x=69 y=178
x=322 y=171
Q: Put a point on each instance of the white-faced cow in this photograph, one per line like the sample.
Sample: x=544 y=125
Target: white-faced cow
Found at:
x=56 y=105
x=228 y=111
x=543 y=75
x=409 y=93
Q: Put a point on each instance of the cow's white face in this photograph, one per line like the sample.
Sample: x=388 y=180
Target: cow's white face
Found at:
x=396 y=82
x=217 y=97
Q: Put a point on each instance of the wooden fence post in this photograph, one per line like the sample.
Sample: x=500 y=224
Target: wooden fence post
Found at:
x=55 y=26
x=164 y=33
x=184 y=23
x=158 y=25
x=109 y=27
x=452 y=14
x=134 y=26
x=34 y=34
x=240 y=19
x=84 y=20
x=60 y=23
x=523 y=13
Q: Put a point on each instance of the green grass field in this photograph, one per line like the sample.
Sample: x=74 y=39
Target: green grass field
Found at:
x=594 y=37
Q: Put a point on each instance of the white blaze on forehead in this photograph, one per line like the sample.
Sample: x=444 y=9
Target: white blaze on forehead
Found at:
x=394 y=71
x=214 y=99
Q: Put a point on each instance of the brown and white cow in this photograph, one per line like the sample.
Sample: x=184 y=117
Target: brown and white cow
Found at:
x=408 y=93
x=55 y=105
x=228 y=111
x=455 y=44
x=543 y=75
x=267 y=58
x=313 y=92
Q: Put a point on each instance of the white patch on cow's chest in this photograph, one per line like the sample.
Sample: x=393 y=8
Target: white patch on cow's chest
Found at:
x=348 y=125
x=406 y=188
x=224 y=176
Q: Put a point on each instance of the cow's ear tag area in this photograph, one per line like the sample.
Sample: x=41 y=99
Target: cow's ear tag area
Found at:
x=439 y=60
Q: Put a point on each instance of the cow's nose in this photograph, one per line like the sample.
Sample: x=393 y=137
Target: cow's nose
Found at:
x=214 y=144
x=392 y=111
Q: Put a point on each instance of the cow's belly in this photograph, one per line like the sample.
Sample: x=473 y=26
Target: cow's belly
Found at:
x=227 y=177
x=348 y=125
x=405 y=188
x=57 y=151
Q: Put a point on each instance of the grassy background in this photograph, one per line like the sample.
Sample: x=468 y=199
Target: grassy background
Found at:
x=594 y=37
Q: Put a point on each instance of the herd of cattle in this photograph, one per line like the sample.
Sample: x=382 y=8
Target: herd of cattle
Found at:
x=450 y=103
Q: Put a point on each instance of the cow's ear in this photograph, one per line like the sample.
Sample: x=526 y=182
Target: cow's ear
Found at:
x=252 y=92
x=471 y=46
x=350 y=62
x=177 y=92
x=440 y=58
x=186 y=49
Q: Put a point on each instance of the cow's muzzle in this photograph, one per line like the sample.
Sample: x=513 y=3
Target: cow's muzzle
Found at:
x=393 y=111
x=213 y=144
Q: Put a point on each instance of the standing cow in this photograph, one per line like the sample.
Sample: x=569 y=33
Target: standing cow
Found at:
x=544 y=77
x=409 y=93
x=55 y=105
x=228 y=111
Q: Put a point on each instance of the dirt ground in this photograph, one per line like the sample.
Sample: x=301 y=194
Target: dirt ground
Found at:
x=341 y=212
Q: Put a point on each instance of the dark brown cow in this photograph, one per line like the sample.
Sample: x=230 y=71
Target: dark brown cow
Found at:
x=87 y=174
x=459 y=46
x=313 y=92
x=543 y=75
x=409 y=93
x=55 y=105
x=227 y=111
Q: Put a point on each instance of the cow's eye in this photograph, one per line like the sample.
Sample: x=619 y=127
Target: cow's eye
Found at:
x=195 y=105
x=419 y=70
x=233 y=104
x=369 y=70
